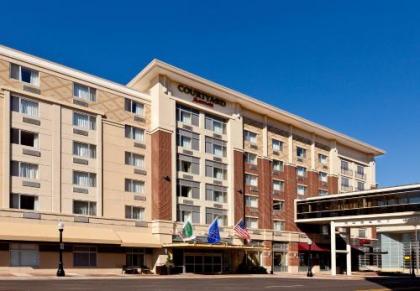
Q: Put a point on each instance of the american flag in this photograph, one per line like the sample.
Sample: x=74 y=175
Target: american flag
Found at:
x=241 y=230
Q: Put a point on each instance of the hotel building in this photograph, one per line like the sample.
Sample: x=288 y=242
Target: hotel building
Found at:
x=123 y=166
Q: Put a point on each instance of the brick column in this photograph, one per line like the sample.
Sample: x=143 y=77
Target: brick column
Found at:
x=332 y=185
x=161 y=175
x=293 y=257
x=238 y=185
x=267 y=259
x=289 y=196
x=313 y=183
x=265 y=203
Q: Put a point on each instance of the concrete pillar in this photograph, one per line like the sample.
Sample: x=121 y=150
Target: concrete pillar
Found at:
x=348 y=253
x=333 y=250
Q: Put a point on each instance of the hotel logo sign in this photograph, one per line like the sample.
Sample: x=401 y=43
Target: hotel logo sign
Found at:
x=201 y=97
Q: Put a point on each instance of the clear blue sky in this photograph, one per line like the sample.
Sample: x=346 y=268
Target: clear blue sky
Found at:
x=353 y=66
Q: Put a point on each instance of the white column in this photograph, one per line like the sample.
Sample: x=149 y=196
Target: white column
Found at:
x=333 y=250
x=348 y=253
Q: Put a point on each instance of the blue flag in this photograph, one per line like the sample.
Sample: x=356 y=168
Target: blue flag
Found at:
x=214 y=235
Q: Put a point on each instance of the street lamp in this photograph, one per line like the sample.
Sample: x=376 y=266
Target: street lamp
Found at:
x=60 y=270
x=309 y=273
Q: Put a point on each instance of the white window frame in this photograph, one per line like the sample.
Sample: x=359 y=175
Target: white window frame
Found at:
x=251 y=201
x=323 y=177
x=251 y=180
x=303 y=188
x=20 y=68
x=20 y=173
x=303 y=152
x=278 y=182
x=19 y=137
x=131 y=103
x=281 y=163
x=131 y=160
x=277 y=145
x=301 y=170
x=133 y=208
x=92 y=182
x=250 y=137
x=91 y=121
x=19 y=199
x=323 y=159
x=91 y=150
x=19 y=100
x=130 y=133
x=90 y=91
x=251 y=158
x=251 y=222
x=130 y=183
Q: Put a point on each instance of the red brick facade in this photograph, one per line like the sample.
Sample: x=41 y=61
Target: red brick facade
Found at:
x=238 y=185
x=289 y=197
x=265 y=204
x=161 y=175
x=332 y=185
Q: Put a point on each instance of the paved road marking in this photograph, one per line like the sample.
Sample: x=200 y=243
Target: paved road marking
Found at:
x=283 y=286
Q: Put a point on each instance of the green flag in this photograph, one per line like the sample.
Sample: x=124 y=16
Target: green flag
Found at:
x=187 y=231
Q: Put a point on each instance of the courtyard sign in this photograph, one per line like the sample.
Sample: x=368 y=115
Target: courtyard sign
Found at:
x=201 y=97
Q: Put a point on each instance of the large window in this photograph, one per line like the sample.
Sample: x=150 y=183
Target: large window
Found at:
x=301 y=190
x=278 y=166
x=301 y=171
x=251 y=158
x=251 y=222
x=84 y=179
x=189 y=164
x=213 y=213
x=216 y=170
x=134 y=133
x=24 y=74
x=25 y=106
x=278 y=185
x=277 y=145
x=24 y=255
x=134 y=107
x=251 y=180
x=187 y=115
x=323 y=177
x=22 y=201
x=24 y=137
x=300 y=153
x=278 y=225
x=134 y=186
x=250 y=137
x=134 y=212
x=84 y=256
x=188 y=140
x=216 y=193
x=24 y=170
x=135 y=257
x=84 y=92
x=323 y=159
x=84 y=121
x=188 y=189
x=84 y=207
x=188 y=213
x=135 y=160
x=215 y=124
x=215 y=147
x=251 y=201
x=84 y=150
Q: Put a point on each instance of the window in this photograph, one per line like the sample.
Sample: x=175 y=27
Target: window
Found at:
x=24 y=137
x=22 y=201
x=323 y=159
x=24 y=106
x=213 y=213
x=187 y=115
x=84 y=207
x=188 y=140
x=362 y=232
x=250 y=137
x=84 y=92
x=322 y=192
x=134 y=186
x=301 y=171
x=84 y=179
x=84 y=150
x=134 y=133
x=344 y=165
x=133 y=212
x=24 y=74
x=216 y=170
x=84 y=121
x=215 y=124
x=278 y=205
x=278 y=225
x=134 y=107
x=278 y=166
x=360 y=171
x=278 y=185
x=84 y=256
x=251 y=180
x=189 y=164
x=216 y=193
x=135 y=257
x=215 y=147
x=251 y=222
x=251 y=201
x=23 y=254
x=135 y=160
x=345 y=182
x=188 y=213
x=323 y=177
x=300 y=152
x=301 y=190
x=277 y=145
x=250 y=158
x=24 y=170
x=188 y=189
x=360 y=186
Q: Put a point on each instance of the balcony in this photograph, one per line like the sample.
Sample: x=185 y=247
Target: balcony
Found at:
x=347 y=172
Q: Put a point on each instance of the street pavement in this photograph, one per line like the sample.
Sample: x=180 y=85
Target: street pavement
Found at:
x=209 y=284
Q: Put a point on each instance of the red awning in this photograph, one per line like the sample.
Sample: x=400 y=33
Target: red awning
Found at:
x=314 y=247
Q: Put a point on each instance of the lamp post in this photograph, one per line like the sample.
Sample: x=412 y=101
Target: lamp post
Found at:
x=309 y=273
x=60 y=270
